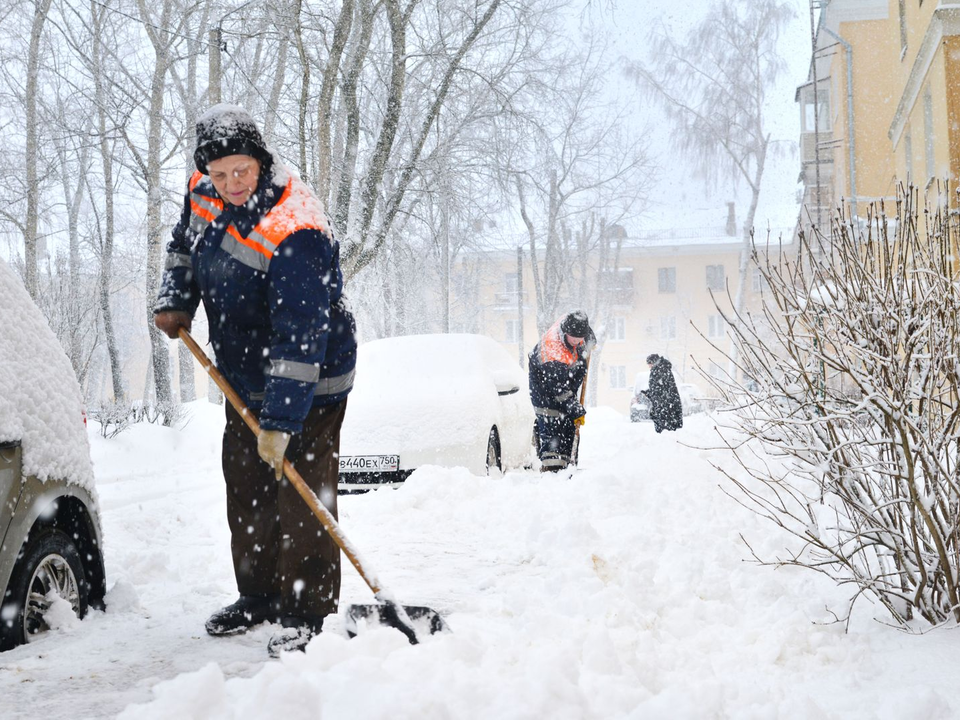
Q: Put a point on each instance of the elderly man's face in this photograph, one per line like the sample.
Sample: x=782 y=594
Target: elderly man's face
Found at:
x=235 y=177
x=575 y=341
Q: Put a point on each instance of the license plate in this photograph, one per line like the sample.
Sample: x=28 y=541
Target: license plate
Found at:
x=369 y=463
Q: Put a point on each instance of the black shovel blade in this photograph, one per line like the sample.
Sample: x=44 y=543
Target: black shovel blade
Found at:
x=424 y=620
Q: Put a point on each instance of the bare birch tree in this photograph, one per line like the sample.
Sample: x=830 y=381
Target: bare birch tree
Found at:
x=580 y=166
x=713 y=86
x=164 y=26
x=30 y=99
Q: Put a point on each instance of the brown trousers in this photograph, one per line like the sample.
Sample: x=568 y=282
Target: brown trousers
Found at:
x=279 y=546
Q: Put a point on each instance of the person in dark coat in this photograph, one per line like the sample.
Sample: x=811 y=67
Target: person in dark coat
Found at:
x=255 y=245
x=666 y=410
x=558 y=366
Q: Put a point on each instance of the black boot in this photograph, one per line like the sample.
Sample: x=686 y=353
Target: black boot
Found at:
x=296 y=633
x=247 y=611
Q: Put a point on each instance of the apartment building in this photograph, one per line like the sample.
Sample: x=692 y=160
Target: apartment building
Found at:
x=881 y=104
x=667 y=295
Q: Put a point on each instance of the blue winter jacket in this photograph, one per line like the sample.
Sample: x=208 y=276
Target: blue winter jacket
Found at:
x=269 y=277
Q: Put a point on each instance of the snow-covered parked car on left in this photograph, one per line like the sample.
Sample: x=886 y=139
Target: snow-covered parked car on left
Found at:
x=50 y=556
x=449 y=400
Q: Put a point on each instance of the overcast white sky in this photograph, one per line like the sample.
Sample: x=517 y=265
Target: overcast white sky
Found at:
x=625 y=23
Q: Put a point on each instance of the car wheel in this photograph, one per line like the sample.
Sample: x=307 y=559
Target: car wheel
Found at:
x=493 y=451
x=49 y=561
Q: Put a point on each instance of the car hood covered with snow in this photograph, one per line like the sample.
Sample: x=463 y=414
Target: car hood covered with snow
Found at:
x=40 y=400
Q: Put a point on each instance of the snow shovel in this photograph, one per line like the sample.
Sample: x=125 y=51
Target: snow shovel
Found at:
x=389 y=611
x=575 y=455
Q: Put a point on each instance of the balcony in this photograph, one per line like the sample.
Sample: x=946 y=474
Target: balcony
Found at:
x=808 y=148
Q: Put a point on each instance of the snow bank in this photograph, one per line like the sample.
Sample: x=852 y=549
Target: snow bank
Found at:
x=623 y=591
x=619 y=592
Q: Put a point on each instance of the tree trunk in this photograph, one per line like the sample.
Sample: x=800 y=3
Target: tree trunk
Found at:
x=535 y=270
x=277 y=88
x=348 y=95
x=32 y=149
x=106 y=256
x=304 y=91
x=746 y=249
x=72 y=303
x=158 y=341
x=325 y=107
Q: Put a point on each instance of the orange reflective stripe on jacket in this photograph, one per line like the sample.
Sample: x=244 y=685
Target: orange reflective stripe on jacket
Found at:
x=297 y=209
x=554 y=349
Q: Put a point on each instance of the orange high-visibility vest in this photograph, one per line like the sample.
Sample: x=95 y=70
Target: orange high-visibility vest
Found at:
x=554 y=349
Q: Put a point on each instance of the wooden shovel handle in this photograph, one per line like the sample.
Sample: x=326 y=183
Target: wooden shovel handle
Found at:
x=323 y=515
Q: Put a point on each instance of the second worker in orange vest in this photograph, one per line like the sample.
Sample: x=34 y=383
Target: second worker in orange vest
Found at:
x=557 y=369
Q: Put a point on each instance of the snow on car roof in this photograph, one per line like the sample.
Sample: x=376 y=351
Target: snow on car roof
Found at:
x=40 y=400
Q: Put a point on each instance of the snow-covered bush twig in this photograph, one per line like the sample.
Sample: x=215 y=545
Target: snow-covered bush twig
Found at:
x=116 y=417
x=843 y=408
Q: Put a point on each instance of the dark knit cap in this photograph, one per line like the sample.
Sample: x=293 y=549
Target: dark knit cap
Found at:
x=576 y=324
x=652 y=359
x=228 y=130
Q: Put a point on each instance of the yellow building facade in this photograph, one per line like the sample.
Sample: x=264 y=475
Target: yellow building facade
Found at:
x=887 y=84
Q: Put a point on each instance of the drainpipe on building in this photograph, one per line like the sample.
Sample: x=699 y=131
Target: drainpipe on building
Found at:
x=851 y=126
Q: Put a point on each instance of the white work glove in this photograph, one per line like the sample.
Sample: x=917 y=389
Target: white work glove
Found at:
x=272 y=444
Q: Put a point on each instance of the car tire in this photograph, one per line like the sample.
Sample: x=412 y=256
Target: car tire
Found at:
x=493 y=451
x=49 y=560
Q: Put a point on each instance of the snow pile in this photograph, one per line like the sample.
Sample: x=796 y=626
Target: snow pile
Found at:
x=40 y=401
x=623 y=591
x=619 y=592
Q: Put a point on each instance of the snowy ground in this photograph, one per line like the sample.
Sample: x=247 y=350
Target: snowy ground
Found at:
x=620 y=592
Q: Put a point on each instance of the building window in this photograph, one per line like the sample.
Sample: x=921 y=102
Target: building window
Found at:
x=816 y=115
x=668 y=327
x=511 y=283
x=715 y=277
x=717 y=371
x=618 y=377
x=759 y=281
x=618 y=286
x=667 y=280
x=513 y=331
x=716 y=326
x=928 y=133
x=618 y=329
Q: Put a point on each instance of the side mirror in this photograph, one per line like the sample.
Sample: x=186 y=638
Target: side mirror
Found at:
x=507 y=388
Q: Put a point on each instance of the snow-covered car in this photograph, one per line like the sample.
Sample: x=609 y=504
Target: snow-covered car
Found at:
x=690 y=397
x=448 y=400
x=50 y=556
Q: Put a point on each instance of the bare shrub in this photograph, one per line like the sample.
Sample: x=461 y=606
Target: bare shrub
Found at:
x=844 y=409
x=116 y=417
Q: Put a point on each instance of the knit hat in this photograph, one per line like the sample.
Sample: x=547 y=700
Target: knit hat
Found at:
x=228 y=130
x=576 y=324
x=652 y=359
